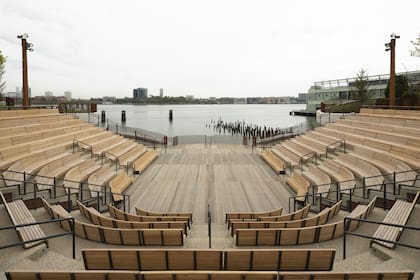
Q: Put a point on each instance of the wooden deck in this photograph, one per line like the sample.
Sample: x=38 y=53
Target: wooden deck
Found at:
x=229 y=178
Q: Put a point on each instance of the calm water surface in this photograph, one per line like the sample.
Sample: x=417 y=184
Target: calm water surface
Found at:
x=192 y=119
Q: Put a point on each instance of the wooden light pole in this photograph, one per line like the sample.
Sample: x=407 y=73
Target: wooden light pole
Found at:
x=391 y=47
x=25 y=46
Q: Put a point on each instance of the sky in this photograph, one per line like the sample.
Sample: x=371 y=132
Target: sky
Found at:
x=234 y=48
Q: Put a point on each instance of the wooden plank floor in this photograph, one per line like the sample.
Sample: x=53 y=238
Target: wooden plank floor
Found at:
x=226 y=177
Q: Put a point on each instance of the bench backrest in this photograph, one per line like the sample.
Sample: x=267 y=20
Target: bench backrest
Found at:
x=208 y=259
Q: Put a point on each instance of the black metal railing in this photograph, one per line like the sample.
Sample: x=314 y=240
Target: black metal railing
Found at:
x=392 y=188
x=103 y=195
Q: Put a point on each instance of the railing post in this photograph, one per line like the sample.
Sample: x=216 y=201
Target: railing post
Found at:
x=36 y=205
x=338 y=192
x=313 y=195
x=81 y=191
x=351 y=201
x=73 y=237
x=55 y=187
x=24 y=182
x=344 y=238
x=116 y=128
x=364 y=186
x=385 y=196
x=99 y=201
x=394 y=178
x=68 y=200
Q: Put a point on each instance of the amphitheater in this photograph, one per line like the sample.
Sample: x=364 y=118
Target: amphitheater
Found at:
x=338 y=202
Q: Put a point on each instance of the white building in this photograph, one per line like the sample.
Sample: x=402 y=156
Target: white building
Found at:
x=67 y=94
x=48 y=94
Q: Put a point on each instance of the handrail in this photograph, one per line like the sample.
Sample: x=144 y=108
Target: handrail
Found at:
x=117 y=159
x=307 y=154
x=347 y=231
x=84 y=143
x=396 y=187
x=343 y=143
x=72 y=232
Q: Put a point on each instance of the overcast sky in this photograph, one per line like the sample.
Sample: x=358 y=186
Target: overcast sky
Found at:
x=205 y=48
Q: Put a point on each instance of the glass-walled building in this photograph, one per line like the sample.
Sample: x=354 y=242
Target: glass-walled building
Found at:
x=340 y=90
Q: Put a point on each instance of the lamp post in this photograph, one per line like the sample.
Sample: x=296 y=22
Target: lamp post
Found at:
x=391 y=47
x=25 y=46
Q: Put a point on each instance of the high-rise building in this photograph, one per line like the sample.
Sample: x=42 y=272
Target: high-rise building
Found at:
x=67 y=94
x=48 y=94
x=161 y=92
x=139 y=93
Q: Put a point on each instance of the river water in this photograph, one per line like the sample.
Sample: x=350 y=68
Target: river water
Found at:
x=200 y=119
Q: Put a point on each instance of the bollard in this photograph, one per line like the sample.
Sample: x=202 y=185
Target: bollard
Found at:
x=103 y=116
x=170 y=115
x=123 y=118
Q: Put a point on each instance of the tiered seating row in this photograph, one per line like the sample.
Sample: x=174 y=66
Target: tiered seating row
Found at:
x=298 y=236
x=321 y=218
x=275 y=162
x=251 y=215
x=124 y=216
x=231 y=260
x=135 y=237
x=98 y=219
x=208 y=275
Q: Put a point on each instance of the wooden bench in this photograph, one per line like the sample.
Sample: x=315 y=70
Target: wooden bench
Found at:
x=124 y=216
x=302 y=235
x=208 y=275
x=277 y=164
x=340 y=174
x=144 y=161
x=321 y=218
x=117 y=236
x=109 y=143
x=319 y=179
x=319 y=148
x=386 y=163
x=30 y=165
x=31 y=120
x=288 y=157
x=209 y=259
x=99 y=179
x=19 y=214
x=372 y=176
x=118 y=184
x=98 y=219
x=128 y=159
x=55 y=169
x=304 y=153
x=10 y=131
x=75 y=176
x=144 y=212
x=399 y=214
x=117 y=151
x=297 y=215
x=10 y=155
x=251 y=215
x=299 y=184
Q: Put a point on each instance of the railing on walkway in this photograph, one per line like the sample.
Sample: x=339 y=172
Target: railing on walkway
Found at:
x=103 y=196
x=348 y=232
x=72 y=232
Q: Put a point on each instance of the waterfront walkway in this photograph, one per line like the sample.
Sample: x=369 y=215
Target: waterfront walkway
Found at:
x=188 y=178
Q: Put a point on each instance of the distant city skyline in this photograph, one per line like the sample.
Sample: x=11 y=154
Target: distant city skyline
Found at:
x=202 y=48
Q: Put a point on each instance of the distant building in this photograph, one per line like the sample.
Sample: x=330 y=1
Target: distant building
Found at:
x=48 y=94
x=67 y=94
x=108 y=99
x=189 y=97
x=161 y=92
x=139 y=93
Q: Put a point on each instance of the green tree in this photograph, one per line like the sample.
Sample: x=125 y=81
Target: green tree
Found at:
x=361 y=85
x=416 y=47
x=2 y=63
x=401 y=86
